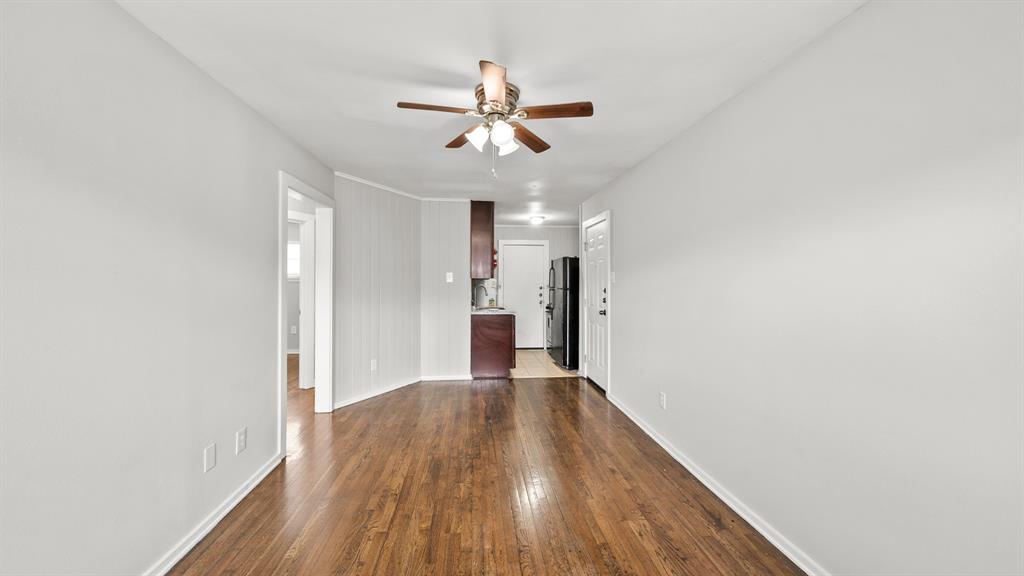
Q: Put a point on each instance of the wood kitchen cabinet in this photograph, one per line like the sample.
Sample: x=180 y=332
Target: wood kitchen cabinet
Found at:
x=481 y=240
x=493 y=350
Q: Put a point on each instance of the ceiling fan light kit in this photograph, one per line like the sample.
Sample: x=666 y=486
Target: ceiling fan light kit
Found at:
x=478 y=137
x=508 y=148
x=502 y=133
x=497 y=104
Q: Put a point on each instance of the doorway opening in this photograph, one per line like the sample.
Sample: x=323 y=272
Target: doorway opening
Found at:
x=533 y=286
x=522 y=288
x=305 y=302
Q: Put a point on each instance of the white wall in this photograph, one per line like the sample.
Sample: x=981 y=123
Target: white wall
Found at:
x=292 y=296
x=842 y=351
x=445 y=307
x=377 y=290
x=138 y=256
x=562 y=241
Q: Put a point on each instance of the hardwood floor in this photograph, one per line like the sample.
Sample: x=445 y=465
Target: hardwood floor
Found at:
x=537 y=364
x=525 y=477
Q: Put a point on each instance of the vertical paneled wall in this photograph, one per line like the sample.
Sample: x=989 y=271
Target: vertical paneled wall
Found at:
x=377 y=291
x=445 y=306
x=562 y=241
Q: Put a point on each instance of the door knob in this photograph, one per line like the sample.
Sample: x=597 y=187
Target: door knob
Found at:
x=602 y=312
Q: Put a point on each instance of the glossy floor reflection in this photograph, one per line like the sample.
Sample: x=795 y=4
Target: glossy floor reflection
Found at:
x=535 y=476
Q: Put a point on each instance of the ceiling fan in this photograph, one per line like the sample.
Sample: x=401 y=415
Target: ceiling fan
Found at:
x=496 y=104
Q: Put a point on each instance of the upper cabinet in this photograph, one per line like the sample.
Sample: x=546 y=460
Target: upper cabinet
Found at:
x=481 y=239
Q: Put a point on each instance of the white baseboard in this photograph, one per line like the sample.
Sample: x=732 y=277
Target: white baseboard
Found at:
x=368 y=395
x=164 y=564
x=290 y=351
x=454 y=377
x=798 y=556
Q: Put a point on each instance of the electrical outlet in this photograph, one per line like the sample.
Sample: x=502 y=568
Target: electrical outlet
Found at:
x=373 y=364
x=241 y=437
x=662 y=400
x=449 y=277
x=210 y=457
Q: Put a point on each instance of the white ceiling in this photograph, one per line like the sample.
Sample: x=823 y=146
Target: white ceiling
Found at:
x=329 y=74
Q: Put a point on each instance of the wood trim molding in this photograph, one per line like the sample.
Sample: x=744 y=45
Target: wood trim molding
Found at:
x=387 y=188
x=287 y=181
x=296 y=217
x=447 y=378
x=376 y=185
x=541 y=227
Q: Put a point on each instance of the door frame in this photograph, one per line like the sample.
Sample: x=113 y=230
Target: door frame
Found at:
x=307 y=291
x=605 y=216
x=323 y=376
x=501 y=275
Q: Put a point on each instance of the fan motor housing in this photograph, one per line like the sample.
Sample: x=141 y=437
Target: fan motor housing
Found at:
x=486 y=108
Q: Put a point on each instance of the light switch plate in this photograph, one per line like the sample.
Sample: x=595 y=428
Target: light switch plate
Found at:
x=373 y=364
x=449 y=277
x=293 y=329
x=210 y=457
x=241 y=439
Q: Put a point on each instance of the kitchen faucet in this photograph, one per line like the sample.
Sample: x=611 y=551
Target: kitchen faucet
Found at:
x=486 y=294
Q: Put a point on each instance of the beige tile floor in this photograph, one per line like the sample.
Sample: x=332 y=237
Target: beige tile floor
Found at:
x=537 y=364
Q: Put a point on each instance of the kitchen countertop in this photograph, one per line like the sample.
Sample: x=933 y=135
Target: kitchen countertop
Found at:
x=492 y=311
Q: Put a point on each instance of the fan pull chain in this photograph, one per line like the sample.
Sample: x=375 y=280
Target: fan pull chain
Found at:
x=494 y=156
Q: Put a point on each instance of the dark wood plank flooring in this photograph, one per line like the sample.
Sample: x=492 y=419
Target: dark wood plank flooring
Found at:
x=530 y=477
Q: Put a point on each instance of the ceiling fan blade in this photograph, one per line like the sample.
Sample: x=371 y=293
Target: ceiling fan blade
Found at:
x=461 y=139
x=458 y=142
x=531 y=140
x=492 y=76
x=570 y=110
x=434 y=107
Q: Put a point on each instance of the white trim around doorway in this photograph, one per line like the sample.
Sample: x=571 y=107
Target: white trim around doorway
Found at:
x=584 y=366
x=323 y=313
x=501 y=275
x=307 y=286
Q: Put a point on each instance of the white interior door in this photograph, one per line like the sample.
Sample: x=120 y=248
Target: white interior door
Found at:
x=523 y=271
x=597 y=301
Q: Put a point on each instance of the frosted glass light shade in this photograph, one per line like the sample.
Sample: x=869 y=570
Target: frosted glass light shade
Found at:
x=502 y=133
x=478 y=137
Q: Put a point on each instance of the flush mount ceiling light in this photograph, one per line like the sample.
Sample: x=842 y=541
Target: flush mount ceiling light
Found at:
x=536 y=220
x=496 y=104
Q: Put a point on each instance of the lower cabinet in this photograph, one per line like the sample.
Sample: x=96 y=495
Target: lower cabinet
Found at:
x=493 y=348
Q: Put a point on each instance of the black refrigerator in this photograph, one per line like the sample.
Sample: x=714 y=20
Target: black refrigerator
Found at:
x=562 y=321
